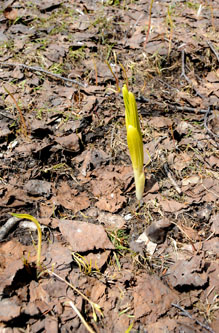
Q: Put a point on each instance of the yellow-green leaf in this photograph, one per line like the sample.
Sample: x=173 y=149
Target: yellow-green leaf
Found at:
x=135 y=147
x=134 y=140
x=31 y=218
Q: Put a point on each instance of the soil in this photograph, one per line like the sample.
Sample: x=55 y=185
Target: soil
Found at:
x=108 y=262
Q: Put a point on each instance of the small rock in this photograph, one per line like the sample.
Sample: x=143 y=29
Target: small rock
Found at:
x=157 y=231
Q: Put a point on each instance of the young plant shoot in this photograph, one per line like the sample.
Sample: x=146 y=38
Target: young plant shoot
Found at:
x=134 y=140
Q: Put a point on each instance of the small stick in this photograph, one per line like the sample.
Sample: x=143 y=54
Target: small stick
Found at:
x=93 y=305
x=183 y=74
x=142 y=99
x=7 y=116
x=171 y=178
x=114 y=75
x=187 y=314
x=5 y=229
x=213 y=50
x=171 y=30
x=95 y=69
x=39 y=69
x=149 y=24
x=80 y=316
x=22 y=120
x=124 y=74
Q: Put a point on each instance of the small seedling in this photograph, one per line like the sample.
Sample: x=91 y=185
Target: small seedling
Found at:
x=31 y=218
x=115 y=77
x=23 y=125
x=83 y=264
x=134 y=140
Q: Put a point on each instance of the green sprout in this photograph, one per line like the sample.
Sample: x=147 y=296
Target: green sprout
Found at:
x=134 y=140
x=31 y=218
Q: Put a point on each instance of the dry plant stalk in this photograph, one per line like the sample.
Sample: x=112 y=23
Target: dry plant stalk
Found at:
x=80 y=316
x=115 y=77
x=124 y=75
x=95 y=306
x=149 y=23
x=170 y=21
x=23 y=125
x=95 y=69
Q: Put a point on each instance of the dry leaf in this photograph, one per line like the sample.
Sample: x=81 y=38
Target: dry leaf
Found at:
x=10 y=13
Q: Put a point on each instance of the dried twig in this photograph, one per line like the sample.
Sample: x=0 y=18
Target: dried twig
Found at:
x=169 y=175
x=183 y=73
x=7 y=116
x=95 y=307
x=22 y=120
x=95 y=69
x=80 y=316
x=165 y=105
x=187 y=314
x=143 y=99
x=5 y=229
x=149 y=24
x=213 y=50
x=114 y=75
x=39 y=69
x=171 y=29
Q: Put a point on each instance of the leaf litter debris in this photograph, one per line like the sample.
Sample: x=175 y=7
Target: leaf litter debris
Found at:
x=65 y=161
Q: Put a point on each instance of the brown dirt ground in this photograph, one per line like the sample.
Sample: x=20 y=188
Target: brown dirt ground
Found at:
x=64 y=160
